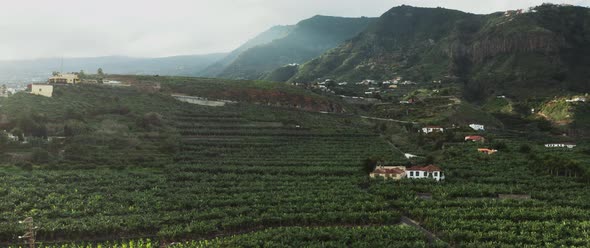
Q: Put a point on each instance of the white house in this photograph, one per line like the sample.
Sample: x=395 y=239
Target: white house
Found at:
x=432 y=129
x=430 y=171
x=576 y=99
x=42 y=90
x=560 y=145
x=10 y=136
x=389 y=172
x=409 y=155
x=64 y=79
x=477 y=127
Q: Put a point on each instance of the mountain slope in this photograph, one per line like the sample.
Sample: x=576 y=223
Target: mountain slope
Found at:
x=276 y=32
x=40 y=69
x=496 y=53
x=308 y=39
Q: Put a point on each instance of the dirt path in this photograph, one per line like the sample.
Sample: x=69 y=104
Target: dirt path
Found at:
x=391 y=120
x=432 y=238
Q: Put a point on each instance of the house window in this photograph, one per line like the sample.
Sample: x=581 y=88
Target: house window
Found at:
x=436 y=174
x=411 y=173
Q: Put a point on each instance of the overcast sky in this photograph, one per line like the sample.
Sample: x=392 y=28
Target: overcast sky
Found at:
x=156 y=28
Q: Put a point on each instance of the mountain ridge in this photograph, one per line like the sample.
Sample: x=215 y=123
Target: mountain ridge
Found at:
x=490 y=53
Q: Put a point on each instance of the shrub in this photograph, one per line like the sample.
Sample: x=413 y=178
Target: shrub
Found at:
x=524 y=148
x=40 y=155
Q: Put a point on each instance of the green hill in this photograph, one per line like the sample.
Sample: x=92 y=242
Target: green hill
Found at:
x=308 y=39
x=276 y=32
x=545 y=48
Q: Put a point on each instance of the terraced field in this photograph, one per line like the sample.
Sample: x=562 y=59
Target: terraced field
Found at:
x=466 y=210
x=234 y=173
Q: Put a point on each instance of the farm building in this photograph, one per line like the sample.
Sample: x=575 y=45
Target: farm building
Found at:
x=42 y=90
x=64 y=79
x=560 y=145
x=477 y=127
x=430 y=171
x=487 y=151
x=389 y=172
x=432 y=129
x=475 y=138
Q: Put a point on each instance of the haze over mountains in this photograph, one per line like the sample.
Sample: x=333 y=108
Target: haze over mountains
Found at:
x=38 y=70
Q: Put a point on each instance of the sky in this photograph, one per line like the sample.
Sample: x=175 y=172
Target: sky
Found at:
x=156 y=28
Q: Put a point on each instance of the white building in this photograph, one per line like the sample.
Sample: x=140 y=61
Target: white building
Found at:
x=576 y=99
x=42 y=90
x=64 y=79
x=477 y=127
x=432 y=129
x=430 y=171
x=389 y=172
x=560 y=145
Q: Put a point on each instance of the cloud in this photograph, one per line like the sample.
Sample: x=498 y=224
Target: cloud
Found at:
x=152 y=28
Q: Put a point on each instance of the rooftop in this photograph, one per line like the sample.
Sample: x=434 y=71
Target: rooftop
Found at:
x=428 y=168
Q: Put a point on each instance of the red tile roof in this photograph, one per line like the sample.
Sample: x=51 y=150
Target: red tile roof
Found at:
x=474 y=137
x=394 y=171
x=429 y=168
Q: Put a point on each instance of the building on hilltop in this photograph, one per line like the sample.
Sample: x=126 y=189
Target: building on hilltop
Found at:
x=64 y=79
x=42 y=90
x=430 y=171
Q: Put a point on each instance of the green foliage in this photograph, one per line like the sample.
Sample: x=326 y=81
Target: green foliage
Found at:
x=40 y=155
x=308 y=39
x=490 y=54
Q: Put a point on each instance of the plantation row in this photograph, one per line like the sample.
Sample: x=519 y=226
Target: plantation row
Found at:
x=361 y=236
x=174 y=204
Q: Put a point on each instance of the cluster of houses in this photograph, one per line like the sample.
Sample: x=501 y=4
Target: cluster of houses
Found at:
x=415 y=172
x=47 y=89
x=576 y=99
x=8 y=91
x=561 y=145
x=439 y=129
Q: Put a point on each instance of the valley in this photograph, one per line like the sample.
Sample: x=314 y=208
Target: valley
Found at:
x=424 y=127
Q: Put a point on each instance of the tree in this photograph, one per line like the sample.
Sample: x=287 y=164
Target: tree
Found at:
x=81 y=74
x=40 y=155
x=55 y=73
x=100 y=75
x=370 y=164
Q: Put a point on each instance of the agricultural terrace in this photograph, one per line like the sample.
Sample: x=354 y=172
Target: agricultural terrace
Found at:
x=237 y=169
x=465 y=210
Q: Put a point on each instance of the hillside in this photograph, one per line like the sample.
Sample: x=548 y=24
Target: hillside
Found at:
x=500 y=53
x=241 y=91
x=40 y=69
x=308 y=39
x=276 y=32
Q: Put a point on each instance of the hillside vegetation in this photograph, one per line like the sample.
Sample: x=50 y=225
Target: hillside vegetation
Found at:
x=544 y=49
x=274 y=33
x=308 y=39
